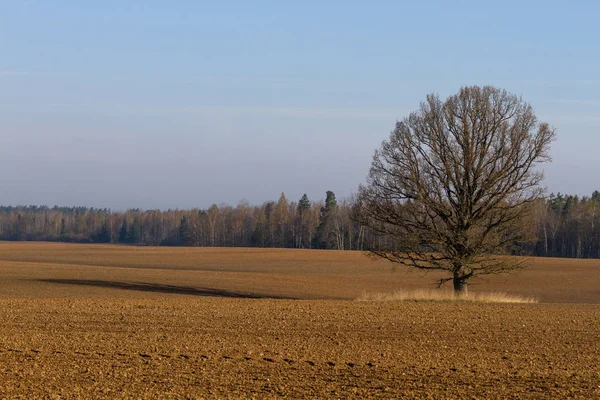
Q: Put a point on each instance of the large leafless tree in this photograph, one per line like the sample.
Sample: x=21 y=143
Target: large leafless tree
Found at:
x=453 y=180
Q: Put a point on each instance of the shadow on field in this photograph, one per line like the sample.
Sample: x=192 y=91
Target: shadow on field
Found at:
x=159 y=288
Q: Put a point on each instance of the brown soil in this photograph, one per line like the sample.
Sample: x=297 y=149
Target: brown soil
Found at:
x=71 y=270
x=168 y=323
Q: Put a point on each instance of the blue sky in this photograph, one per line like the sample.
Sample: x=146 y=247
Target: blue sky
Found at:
x=157 y=104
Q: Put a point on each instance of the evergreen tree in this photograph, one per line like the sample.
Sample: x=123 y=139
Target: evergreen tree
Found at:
x=184 y=231
x=325 y=237
x=303 y=209
x=135 y=232
x=303 y=204
x=105 y=234
x=124 y=232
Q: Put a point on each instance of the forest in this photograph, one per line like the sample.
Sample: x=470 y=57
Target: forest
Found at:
x=558 y=226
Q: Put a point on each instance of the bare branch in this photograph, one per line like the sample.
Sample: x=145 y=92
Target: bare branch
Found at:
x=454 y=179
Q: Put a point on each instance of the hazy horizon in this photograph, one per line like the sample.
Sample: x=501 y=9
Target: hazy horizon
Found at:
x=153 y=105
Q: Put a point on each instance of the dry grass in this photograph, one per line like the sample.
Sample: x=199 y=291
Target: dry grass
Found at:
x=446 y=295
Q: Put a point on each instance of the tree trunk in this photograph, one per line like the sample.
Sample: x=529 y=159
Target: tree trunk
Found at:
x=460 y=285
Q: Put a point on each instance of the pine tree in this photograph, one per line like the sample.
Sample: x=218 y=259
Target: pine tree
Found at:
x=105 y=234
x=302 y=222
x=303 y=204
x=325 y=237
x=184 y=231
x=135 y=232
x=124 y=232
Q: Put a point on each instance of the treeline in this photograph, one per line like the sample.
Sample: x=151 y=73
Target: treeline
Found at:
x=566 y=226
x=560 y=225
x=284 y=223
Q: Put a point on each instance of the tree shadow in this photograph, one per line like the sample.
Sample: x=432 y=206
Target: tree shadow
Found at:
x=160 y=288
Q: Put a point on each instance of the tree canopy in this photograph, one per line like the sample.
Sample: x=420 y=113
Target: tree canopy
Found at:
x=453 y=180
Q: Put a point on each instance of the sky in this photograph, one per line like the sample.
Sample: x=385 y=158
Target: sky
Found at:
x=181 y=104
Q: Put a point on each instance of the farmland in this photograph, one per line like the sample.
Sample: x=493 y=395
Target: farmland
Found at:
x=117 y=321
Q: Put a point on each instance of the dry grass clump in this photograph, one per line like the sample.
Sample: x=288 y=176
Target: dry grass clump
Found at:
x=445 y=295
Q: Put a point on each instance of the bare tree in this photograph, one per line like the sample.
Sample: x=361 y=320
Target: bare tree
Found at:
x=452 y=182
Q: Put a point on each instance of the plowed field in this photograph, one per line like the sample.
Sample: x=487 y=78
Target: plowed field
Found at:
x=83 y=321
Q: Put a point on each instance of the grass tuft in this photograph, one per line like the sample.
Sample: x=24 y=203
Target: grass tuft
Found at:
x=445 y=295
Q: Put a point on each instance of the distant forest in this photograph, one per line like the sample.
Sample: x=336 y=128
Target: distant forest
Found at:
x=559 y=226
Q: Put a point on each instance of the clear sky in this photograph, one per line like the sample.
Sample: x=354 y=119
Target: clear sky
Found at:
x=179 y=104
